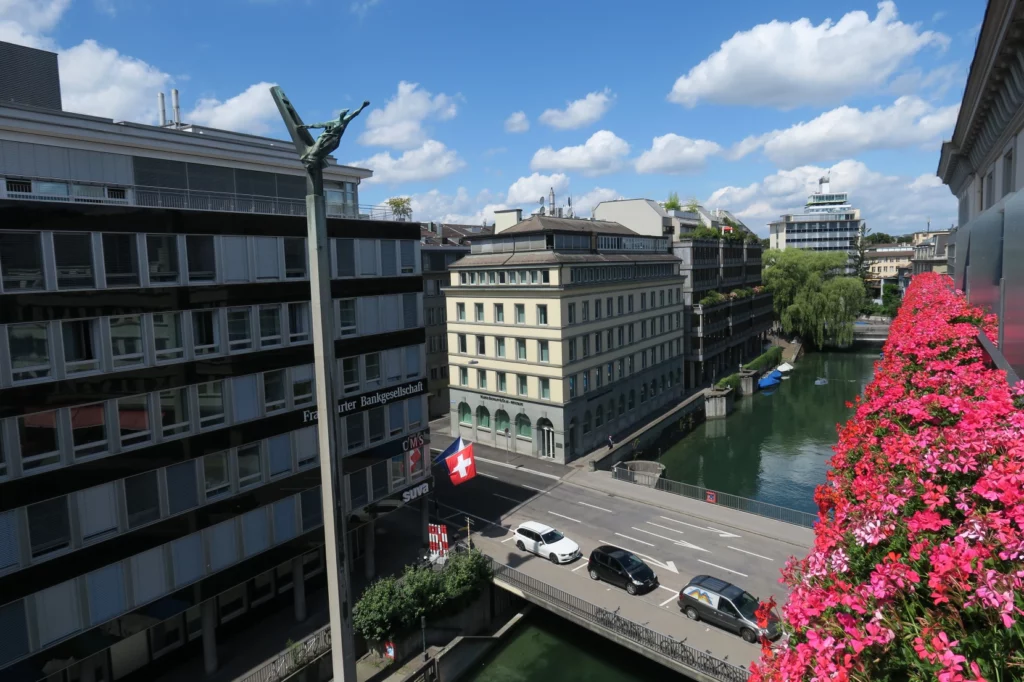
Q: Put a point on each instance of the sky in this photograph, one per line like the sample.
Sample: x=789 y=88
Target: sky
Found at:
x=478 y=106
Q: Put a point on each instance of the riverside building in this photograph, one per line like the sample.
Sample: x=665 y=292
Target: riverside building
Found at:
x=829 y=223
x=159 y=469
x=562 y=332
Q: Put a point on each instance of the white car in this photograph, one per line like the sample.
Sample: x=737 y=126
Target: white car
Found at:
x=545 y=541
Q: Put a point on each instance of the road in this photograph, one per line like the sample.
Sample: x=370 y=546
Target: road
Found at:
x=677 y=546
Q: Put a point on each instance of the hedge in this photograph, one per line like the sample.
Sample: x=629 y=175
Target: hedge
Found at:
x=770 y=358
x=732 y=381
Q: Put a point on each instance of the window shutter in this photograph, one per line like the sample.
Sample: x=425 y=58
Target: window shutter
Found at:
x=8 y=541
x=367 y=257
x=411 y=310
x=13 y=632
x=106 y=593
x=223 y=550
x=236 y=259
x=389 y=313
x=346 y=256
x=412 y=361
x=267 y=263
x=187 y=559
x=369 y=315
x=284 y=520
x=245 y=398
x=57 y=612
x=97 y=511
x=182 y=490
x=280 y=454
x=149 y=578
x=306 y=442
x=256 y=534
x=387 y=258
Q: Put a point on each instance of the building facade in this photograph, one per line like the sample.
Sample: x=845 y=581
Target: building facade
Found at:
x=438 y=257
x=562 y=332
x=829 y=223
x=159 y=468
x=929 y=254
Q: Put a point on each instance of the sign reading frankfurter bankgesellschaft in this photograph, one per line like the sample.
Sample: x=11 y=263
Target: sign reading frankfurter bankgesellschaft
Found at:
x=376 y=398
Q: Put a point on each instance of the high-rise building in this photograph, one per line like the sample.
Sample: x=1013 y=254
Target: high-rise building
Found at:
x=829 y=223
x=562 y=332
x=159 y=470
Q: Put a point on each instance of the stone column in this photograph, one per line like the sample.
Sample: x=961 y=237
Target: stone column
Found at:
x=369 y=550
x=209 y=620
x=299 y=588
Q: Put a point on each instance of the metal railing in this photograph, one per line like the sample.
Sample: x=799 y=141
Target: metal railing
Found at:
x=655 y=642
x=696 y=492
x=292 y=659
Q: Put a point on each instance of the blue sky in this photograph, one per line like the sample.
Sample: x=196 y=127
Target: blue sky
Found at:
x=479 y=105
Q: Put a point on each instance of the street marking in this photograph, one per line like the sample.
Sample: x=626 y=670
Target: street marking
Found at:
x=658 y=525
x=579 y=567
x=684 y=523
x=642 y=542
x=508 y=539
x=684 y=543
x=681 y=543
x=510 y=499
x=488 y=475
x=723 y=568
x=722 y=533
x=594 y=506
x=540 y=490
x=650 y=533
x=670 y=599
x=564 y=516
x=466 y=513
x=668 y=565
x=760 y=556
x=675 y=592
x=518 y=468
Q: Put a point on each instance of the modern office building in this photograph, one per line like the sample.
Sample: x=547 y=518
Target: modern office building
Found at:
x=829 y=223
x=438 y=256
x=159 y=471
x=562 y=332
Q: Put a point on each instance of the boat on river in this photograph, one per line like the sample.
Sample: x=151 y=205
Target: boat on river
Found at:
x=770 y=380
x=785 y=367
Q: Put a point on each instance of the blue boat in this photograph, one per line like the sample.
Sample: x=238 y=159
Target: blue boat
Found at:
x=770 y=381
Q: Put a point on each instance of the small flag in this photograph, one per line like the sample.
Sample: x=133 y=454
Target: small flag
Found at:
x=456 y=445
x=461 y=465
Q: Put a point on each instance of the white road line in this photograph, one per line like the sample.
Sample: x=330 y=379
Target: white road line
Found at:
x=642 y=542
x=760 y=556
x=723 y=568
x=508 y=539
x=650 y=533
x=466 y=513
x=540 y=490
x=675 y=592
x=488 y=475
x=594 y=506
x=510 y=499
x=670 y=599
x=517 y=468
x=565 y=517
x=658 y=525
x=684 y=523
x=583 y=565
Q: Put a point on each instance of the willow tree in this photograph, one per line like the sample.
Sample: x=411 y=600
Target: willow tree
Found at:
x=812 y=296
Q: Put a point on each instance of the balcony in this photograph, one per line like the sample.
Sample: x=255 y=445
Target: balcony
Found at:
x=706 y=328
x=732 y=281
x=188 y=200
x=706 y=351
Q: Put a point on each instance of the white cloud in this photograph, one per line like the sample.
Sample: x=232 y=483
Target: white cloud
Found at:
x=529 y=189
x=584 y=204
x=580 y=112
x=517 y=122
x=846 y=131
x=888 y=203
x=399 y=124
x=101 y=81
x=430 y=161
x=26 y=22
x=249 y=112
x=601 y=153
x=673 y=153
x=789 y=64
x=458 y=208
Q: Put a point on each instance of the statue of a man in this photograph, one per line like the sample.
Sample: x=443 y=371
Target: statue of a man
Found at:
x=329 y=139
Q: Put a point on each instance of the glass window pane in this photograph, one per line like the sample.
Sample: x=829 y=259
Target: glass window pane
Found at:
x=280 y=449
x=347 y=316
x=72 y=254
x=284 y=520
x=298 y=322
x=270 y=326
x=273 y=390
x=398 y=473
x=49 y=526
x=167 y=335
x=250 y=465
x=244 y=398
x=80 y=346
x=265 y=249
x=30 y=350
x=396 y=417
x=312 y=512
x=302 y=384
x=387 y=258
x=126 y=340
x=182 y=490
x=357 y=488
x=346 y=257
x=21 y=258
x=40 y=443
x=133 y=419
x=89 y=429
x=380 y=477
x=295 y=257
x=162 y=252
x=211 y=403
x=216 y=475
x=174 y=411
x=205 y=332
x=415 y=407
x=120 y=259
x=142 y=499
x=376 y=419
x=201 y=258
x=354 y=430
x=239 y=329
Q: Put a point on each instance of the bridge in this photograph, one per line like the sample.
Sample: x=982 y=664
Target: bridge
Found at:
x=871 y=330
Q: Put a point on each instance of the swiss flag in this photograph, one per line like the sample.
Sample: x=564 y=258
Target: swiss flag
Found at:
x=461 y=465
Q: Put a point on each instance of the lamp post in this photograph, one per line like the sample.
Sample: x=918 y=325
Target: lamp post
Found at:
x=507 y=447
x=313 y=155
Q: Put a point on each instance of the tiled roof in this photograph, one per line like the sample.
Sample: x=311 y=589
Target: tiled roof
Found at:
x=490 y=260
x=539 y=223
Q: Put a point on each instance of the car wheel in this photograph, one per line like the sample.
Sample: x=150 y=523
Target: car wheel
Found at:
x=748 y=635
x=520 y=545
x=691 y=613
x=630 y=588
x=554 y=559
x=594 y=575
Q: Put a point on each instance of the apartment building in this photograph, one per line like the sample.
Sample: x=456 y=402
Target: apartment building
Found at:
x=159 y=468
x=929 y=254
x=562 y=332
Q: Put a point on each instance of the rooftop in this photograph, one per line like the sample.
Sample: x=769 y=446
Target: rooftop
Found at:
x=539 y=223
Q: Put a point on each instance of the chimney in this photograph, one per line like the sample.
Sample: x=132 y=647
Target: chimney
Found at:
x=506 y=218
x=163 y=109
x=175 y=106
x=551 y=202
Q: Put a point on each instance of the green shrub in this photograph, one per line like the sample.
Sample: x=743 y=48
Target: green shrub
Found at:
x=380 y=611
x=741 y=293
x=770 y=358
x=732 y=381
x=713 y=298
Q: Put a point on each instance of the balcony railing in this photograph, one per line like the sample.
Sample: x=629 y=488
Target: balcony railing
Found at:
x=189 y=200
x=706 y=328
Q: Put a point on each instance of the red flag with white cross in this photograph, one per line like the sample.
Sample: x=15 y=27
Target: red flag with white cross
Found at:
x=461 y=465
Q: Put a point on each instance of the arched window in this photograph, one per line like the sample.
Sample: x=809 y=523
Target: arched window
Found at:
x=611 y=410
x=465 y=414
x=643 y=393
x=586 y=422
x=483 y=418
x=598 y=417
x=523 y=428
x=662 y=385
x=654 y=388
x=501 y=421
x=632 y=399
x=622 y=405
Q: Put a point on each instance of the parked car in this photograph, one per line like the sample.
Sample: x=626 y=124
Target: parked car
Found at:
x=546 y=542
x=727 y=606
x=622 y=568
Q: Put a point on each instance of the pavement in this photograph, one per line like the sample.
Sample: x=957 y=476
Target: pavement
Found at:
x=678 y=537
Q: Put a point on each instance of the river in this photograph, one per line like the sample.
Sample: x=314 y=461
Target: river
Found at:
x=775 y=448
x=548 y=648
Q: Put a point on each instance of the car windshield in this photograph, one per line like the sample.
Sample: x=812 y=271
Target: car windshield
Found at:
x=630 y=561
x=747 y=604
x=551 y=537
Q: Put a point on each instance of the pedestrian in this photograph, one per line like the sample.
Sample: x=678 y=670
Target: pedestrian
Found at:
x=611 y=442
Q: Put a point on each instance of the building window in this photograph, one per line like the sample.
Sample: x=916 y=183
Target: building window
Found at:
x=502 y=387
x=545 y=389
x=239 y=329
x=167 y=336
x=483 y=418
x=479 y=310
x=523 y=428
x=572 y=387
x=499 y=312
x=294 y=257
x=597 y=309
x=463 y=376
x=542 y=314
x=80 y=343
x=211 y=403
x=990 y=189
x=350 y=374
x=126 y=340
x=408 y=256
x=520 y=349
x=465 y=414
x=1009 y=173
x=205 y=332
x=586 y=310
x=273 y=390
x=521 y=385
x=30 y=351
x=174 y=412
x=520 y=313
x=542 y=347
x=216 y=476
x=371 y=367
x=298 y=322
x=500 y=340
x=572 y=313
x=182 y=491
x=72 y=254
x=142 y=499
x=460 y=312
x=162 y=254
x=387 y=258
x=302 y=384
x=120 y=259
x=270 y=326
x=21 y=258
x=376 y=420
x=202 y=261
x=586 y=345
x=463 y=348
x=597 y=343
x=481 y=345
x=354 y=430
x=396 y=418
x=481 y=378
x=49 y=526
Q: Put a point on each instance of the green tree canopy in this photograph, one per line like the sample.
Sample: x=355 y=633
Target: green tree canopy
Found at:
x=812 y=296
x=879 y=238
x=401 y=207
x=672 y=204
x=692 y=205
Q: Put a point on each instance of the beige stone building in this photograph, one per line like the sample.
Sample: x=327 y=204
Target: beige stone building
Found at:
x=562 y=332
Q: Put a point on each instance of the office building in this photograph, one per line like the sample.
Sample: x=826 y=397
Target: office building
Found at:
x=829 y=223
x=159 y=471
x=562 y=332
x=438 y=255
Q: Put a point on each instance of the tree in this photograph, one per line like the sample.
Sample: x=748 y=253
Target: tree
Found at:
x=766 y=243
x=692 y=205
x=859 y=261
x=672 y=203
x=812 y=296
x=879 y=238
x=891 y=300
x=401 y=207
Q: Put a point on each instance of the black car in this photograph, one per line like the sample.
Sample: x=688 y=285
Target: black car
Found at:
x=726 y=605
x=622 y=568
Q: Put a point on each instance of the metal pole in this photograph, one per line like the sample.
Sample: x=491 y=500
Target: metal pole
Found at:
x=331 y=476
x=423 y=632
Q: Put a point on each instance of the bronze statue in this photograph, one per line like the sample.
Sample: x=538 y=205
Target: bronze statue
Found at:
x=330 y=138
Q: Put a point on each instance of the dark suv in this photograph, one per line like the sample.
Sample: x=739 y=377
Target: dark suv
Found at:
x=622 y=568
x=724 y=604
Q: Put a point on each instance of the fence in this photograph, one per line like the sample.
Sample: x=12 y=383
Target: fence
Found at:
x=649 y=639
x=696 y=492
x=293 y=659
